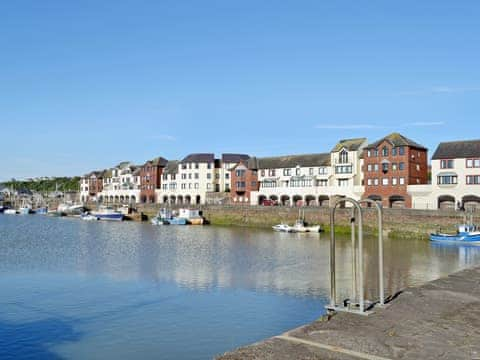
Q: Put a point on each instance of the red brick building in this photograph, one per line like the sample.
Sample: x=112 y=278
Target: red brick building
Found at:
x=244 y=180
x=95 y=183
x=150 y=179
x=390 y=165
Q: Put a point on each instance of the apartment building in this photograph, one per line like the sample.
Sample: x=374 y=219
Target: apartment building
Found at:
x=455 y=178
x=390 y=165
x=151 y=178
x=244 y=180
x=121 y=184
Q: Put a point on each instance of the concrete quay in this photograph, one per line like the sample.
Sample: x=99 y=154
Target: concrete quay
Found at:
x=438 y=320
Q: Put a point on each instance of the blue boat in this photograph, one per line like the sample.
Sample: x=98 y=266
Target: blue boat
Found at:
x=166 y=217
x=466 y=233
x=41 y=211
x=107 y=213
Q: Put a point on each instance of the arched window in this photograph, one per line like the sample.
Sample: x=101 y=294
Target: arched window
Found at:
x=344 y=157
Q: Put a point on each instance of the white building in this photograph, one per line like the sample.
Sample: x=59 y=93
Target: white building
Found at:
x=312 y=179
x=193 y=179
x=121 y=185
x=455 y=178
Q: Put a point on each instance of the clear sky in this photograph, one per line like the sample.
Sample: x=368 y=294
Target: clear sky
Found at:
x=87 y=84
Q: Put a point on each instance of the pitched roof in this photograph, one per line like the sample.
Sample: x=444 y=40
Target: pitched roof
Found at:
x=290 y=161
x=171 y=167
x=158 y=161
x=234 y=158
x=457 y=149
x=201 y=157
x=396 y=139
x=349 y=144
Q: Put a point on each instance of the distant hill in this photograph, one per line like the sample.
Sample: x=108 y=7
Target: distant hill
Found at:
x=60 y=183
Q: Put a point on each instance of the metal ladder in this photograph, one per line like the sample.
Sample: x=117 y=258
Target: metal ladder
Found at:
x=363 y=306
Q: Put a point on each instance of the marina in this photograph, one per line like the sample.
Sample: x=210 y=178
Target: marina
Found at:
x=134 y=289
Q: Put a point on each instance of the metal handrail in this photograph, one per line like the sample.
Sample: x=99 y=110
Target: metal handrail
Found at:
x=360 y=284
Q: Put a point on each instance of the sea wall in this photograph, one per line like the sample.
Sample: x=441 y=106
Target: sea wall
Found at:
x=396 y=222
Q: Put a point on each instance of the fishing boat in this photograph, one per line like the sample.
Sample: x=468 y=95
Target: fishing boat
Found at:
x=167 y=217
x=107 y=213
x=192 y=216
x=466 y=233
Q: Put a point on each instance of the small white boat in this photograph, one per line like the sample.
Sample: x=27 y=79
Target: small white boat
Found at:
x=25 y=210
x=192 y=216
x=282 y=228
x=301 y=226
x=10 y=212
x=89 y=217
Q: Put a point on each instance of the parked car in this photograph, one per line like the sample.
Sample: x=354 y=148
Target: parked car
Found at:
x=268 y=202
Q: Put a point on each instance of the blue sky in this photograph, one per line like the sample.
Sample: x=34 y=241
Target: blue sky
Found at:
x=87 y=84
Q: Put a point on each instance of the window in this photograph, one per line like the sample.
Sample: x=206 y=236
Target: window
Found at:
x=394 y=181
x=375 y=152
x=369 y=153
x=209 y=176
x=418 y=167
x=189 y=176
x=447 y=179
x=375 y=182
x=342 y=182
x=227 y=176
x=297 y=171
x=189 y=185
x=240 y=172
x=375 y=167
x=209 y=186
x=343 y=158
x=184 y=166
x=369 y=182
x=197 y=176
x=287 y=172
x=384 y=151
x=184 y=186
x=310 y=171
x=448 y=164
x=196 y=166
x=343 y=169
x=401 y=150
x=473 y=179
x=385 y=167
x=322 y=170
x=401 y=181
x=401 y=166
x=253 y=184
x=209 y=165
x=262 y=173
x=394 y=166
x=322 y=182
x=195 y=185
x=184 y=176
x=240 y=184
x=384 y=181
x=369 y=167
x=473 y=163
x=394 y=151
x=271 y=172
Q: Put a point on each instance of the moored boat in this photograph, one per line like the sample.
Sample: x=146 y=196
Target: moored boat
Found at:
x=25 y=210
x=282 y=228
x=10 y=212
x=167 y=217
x=41 y=210
x=466 y=233
x=192 y=216
x=89 y=217
x=107 y=213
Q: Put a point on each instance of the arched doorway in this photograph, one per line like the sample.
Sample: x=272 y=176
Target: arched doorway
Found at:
x=188 y=199
x=323 y=200
x=297 y=200
x=180 y=199
x=261 y=199
x=446 y=202
x=471 y=202
x=165 y=199
x=198 y=200
x=133 y=199
x=396 y=201
x=173 y=199
x=376 y=198
x=285 y=200
x=310 y=200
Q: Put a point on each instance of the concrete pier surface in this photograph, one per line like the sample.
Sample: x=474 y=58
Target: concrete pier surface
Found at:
x=438 y=320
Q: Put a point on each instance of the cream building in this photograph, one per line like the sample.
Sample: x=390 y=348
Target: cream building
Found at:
x=312 y=179
x=121 y=185
x=455 y=178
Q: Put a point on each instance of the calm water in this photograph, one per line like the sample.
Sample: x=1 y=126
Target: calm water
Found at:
x=96 y=290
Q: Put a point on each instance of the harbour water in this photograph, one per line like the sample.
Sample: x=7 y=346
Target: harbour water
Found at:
x=98 y=290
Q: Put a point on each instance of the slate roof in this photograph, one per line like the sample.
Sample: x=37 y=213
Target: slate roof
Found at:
x=349 y=144
x=289 y=161
x=396 y=139
x=201 y=157
x=158 y=161
x=171 y=167
x=457 y=150
x=234 y=158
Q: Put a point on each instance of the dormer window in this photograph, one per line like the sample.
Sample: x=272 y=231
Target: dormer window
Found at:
x=343 y=158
